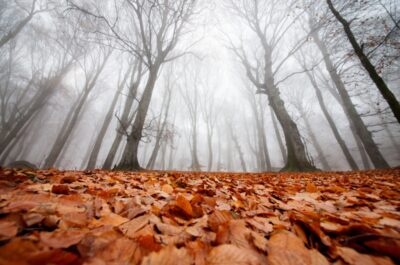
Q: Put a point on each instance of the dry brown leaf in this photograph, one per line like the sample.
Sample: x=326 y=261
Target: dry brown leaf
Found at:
x=134 y=225
x=61 y=239
x=261 y=224
x=168 y=256
x=352 y=257
x=233 y=255
x=285 y=248
x=217 y=218
x=184 y=205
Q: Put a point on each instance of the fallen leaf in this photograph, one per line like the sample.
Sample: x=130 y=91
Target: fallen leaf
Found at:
x=168 y=256
x=233 y=255
x=352 y=257
x=61 y=238
x=184 y=205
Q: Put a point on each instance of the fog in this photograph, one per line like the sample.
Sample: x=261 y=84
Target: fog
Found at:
x=211 y=85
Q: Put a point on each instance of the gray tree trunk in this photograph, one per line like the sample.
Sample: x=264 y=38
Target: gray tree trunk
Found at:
x=278 y=136
x=70 y=122
x=129 y=160
x=160 y=130
x=106 y=123
x=349 y=158
x=370 y=146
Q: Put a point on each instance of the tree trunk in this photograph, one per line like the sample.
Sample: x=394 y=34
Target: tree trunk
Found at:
x=70 y=122
x=267 y=160
x=123 y=121
x=317 y=146
x=360 y=146
x=160 y=132
x=362 y=131
x=239 y=150
x=37 y=102
x=369 y=67
x=106 y=123
x=14 y=32
x=195 y=160
x=332 y=125
x=129 y=160
x=297 y=158
x=278 y=136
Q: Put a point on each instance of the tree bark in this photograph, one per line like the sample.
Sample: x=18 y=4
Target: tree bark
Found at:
x=369 y=67
x=362 y=131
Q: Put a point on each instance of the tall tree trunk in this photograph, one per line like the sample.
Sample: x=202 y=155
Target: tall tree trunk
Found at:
x=238 y=149
x=129 y=160
x=369 y=67
x=70 y=122
x=314 y=140
x=37 y=103
x=360 y=146
x=372 y=149
x=219 y=160
x=161 y=128
x=278 y=135
x=106 y=123
x=124 y=120
x=195 y=160
x=264 y=142
x=163 y=155
x=349 y=158
x=297 y=158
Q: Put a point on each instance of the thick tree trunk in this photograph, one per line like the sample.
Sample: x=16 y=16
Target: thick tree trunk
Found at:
x=362 y=131
x=297 y=158
x=106 y=123
x=369 y=67
x=129 y=160
x=123 y=121
x=278 y=136
x=349 y=158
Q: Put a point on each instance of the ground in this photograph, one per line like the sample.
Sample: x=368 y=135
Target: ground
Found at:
x=113 y=217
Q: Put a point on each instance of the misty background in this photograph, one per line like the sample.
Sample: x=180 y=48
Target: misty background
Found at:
x=199 y=85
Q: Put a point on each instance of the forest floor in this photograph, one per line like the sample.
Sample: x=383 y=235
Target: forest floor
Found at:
x=111 y=217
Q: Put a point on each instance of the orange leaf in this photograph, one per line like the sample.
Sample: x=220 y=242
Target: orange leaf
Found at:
x=185 y=205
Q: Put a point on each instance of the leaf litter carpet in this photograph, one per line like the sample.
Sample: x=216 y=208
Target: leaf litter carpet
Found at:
x=107 y=217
